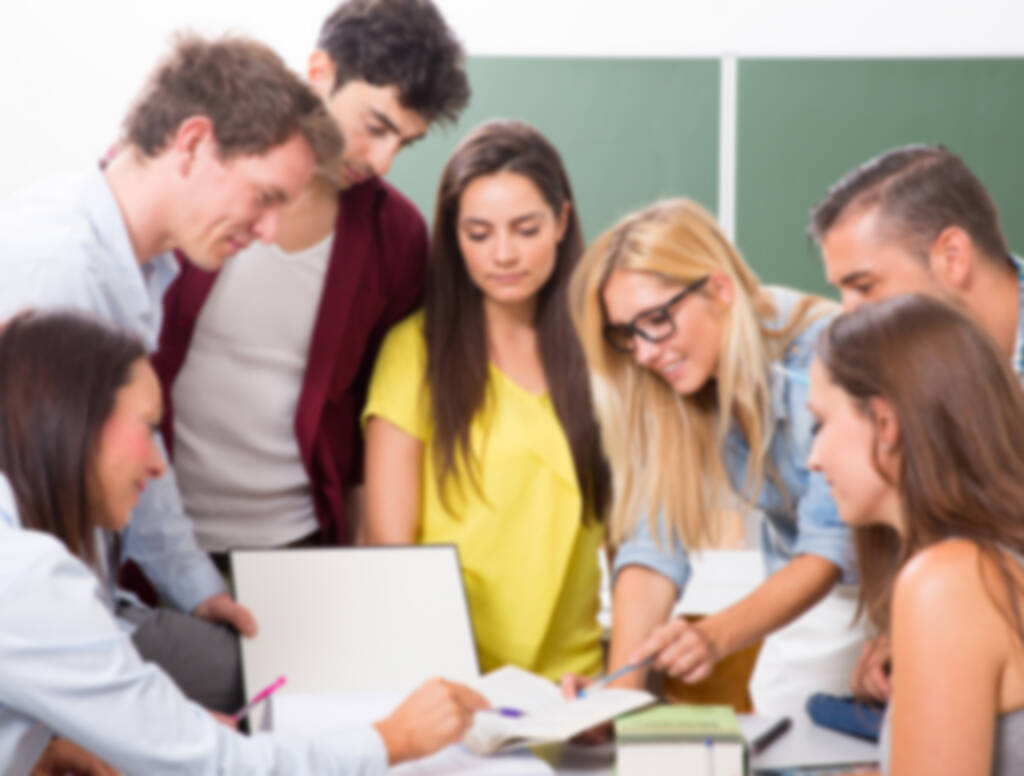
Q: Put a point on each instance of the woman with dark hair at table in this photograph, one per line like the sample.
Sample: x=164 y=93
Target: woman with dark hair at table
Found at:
x=79 y=404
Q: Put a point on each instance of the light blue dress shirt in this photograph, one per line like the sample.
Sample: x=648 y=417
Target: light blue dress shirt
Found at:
x=805 y=522
x=64 y=243
x=67 y=668
x=1018 y=345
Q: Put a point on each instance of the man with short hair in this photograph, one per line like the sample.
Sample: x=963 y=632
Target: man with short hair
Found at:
x=266 y=363
x=219 y=140
x=916 y=219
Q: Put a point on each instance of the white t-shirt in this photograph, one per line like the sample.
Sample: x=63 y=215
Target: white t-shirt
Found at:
x=235 y=451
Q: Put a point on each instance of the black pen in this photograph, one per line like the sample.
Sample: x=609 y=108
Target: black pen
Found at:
x=767 y=738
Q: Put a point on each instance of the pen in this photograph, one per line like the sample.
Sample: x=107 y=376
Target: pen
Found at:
x=615 y=675
x=768 y=737
x=261 y=696
x=505 y=711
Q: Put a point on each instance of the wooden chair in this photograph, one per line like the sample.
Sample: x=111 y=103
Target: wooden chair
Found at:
x=727 y=685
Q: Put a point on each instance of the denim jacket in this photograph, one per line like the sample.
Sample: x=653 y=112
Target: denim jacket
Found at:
x=806 y=522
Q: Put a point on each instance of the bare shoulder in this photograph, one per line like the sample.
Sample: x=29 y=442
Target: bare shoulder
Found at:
x=938 y=560
x=942 y=588
x=938 y=575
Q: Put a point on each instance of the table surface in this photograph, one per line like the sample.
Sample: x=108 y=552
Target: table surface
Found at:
x=803 y=745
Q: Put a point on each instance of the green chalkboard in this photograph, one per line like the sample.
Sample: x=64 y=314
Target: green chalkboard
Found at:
x=803 y=123
x=629 y=130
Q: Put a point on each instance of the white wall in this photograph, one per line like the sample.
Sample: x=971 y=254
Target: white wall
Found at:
x=742 y=27
x=70 y=68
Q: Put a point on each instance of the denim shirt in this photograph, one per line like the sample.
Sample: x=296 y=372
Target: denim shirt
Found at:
x=806 y=522
x=1018 y=345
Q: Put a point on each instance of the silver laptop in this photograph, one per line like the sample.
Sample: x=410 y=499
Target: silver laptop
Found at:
x=354 y=619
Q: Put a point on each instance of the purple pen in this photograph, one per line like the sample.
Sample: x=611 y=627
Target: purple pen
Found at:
x=506 y=712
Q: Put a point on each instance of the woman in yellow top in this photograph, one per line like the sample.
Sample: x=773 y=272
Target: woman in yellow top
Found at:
x=479 y=427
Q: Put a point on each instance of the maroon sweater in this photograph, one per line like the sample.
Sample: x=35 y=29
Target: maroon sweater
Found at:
x=374 y=279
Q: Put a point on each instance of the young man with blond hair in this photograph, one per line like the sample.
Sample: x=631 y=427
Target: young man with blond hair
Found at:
x=221 y=138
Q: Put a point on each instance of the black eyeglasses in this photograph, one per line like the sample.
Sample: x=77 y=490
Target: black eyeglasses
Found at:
x=654 y=325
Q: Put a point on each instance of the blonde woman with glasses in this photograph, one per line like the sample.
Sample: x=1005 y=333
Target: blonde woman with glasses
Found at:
x=700 y=383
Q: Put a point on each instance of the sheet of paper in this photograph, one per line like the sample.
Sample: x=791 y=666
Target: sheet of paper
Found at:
x=754 y=725
x=567 y=718
x=354 y=619
x=317 y=713
x=314 y=713
x=515 y=688
x=806 y=744
x=457 y=760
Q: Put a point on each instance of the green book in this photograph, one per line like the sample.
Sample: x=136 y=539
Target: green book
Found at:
x=680 y=739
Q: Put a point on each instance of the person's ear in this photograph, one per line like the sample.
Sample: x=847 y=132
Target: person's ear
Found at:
x=887 y=426
x=563 y=220
x=321 y=73
x=721 y=288
x=951 y=257
x=188 y=141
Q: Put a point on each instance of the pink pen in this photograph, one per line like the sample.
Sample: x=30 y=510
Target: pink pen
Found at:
x=261 y=696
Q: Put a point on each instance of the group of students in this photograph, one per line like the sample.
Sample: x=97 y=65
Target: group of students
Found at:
x=521 y=395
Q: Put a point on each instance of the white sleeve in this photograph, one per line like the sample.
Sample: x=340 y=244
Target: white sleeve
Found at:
x=65 y=665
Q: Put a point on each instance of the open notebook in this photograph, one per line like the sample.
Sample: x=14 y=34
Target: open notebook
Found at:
x=547 y=717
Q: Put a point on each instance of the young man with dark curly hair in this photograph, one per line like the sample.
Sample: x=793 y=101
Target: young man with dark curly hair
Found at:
x=265 y=363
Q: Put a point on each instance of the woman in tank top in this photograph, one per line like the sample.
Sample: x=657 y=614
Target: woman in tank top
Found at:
x=920 y=434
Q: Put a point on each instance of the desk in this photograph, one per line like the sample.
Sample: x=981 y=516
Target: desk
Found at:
x=804 y=744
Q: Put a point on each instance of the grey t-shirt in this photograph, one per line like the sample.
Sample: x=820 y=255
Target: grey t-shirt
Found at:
x=1007 y=749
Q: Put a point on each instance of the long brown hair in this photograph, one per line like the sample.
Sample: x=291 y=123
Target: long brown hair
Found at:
x=961 y=410
x=59 y=377
x=455 y=328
